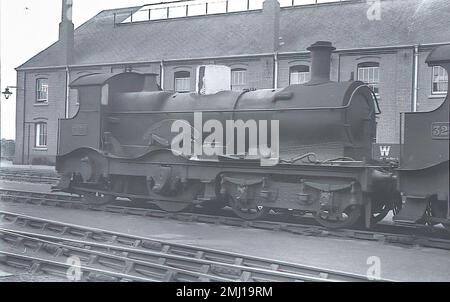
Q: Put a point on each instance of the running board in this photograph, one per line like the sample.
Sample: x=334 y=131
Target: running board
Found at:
x=80 y=190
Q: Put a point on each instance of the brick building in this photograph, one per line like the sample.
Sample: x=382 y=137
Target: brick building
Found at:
x=382 y=43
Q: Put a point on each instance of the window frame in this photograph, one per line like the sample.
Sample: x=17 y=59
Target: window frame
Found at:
x=433 y=92
x=306 y=74
x=368 y=66
x=41 y=135
x=185 y=76
x=243 y=73
x=40 y=100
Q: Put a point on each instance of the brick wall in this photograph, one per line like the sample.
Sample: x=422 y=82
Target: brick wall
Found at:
x=39 y=112
x=18 y=158
x=395 y=86
x=259 y=71
x=284 y=65
x=426 y=101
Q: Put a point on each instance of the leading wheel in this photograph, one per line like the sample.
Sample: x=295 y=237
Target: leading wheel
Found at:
x=346 y=219
x=176 y=201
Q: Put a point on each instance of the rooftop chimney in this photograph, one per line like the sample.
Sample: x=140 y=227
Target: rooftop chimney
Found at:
x=66 y=33
x=271 y=26
x=321 y=62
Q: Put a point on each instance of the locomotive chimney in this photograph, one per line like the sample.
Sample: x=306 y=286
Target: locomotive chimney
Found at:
x=321 y=62
x=66 y=33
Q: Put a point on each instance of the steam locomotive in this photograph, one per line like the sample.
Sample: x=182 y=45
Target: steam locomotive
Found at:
x=120 y=144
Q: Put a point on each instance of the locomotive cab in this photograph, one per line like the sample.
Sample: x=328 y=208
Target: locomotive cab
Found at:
x=424 y=166
x=90 y=126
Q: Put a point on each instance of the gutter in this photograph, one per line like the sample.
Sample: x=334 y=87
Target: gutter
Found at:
x=275 y=71
x=24 y=118
x=146 y=62
x=161 y=75
x=393 y=47
x=67 y=109
x=415 y=86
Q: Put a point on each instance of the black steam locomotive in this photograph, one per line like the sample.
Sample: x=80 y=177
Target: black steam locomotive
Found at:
x=120 y=144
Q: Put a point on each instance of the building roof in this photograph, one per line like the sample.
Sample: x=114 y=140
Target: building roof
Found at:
x=403 y=22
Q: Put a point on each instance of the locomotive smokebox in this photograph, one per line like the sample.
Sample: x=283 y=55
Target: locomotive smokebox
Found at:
x=321 y=62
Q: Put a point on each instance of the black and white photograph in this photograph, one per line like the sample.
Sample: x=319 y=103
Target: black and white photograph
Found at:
x=224 y=147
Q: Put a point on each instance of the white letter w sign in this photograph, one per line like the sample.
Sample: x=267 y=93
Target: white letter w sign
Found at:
x=385 y=150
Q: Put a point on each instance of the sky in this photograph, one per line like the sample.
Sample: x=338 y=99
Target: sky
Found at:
x=29 y=26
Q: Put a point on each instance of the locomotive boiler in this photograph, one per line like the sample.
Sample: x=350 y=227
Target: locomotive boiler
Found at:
x=120 y=145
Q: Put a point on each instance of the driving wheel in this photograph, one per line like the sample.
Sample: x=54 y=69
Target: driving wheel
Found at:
x=347 y=218
x=250 y=210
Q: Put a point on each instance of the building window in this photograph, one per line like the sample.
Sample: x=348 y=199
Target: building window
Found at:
x=182 y=81
x=369 y=73
x=42 y=90
x=440 y=80
x=299 y=74
x=238 y=79
x=41 y=135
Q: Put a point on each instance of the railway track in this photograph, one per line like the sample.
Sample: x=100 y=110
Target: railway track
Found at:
x=28 y=175
x=35 y=264
x=112 y=256
x=403 y=236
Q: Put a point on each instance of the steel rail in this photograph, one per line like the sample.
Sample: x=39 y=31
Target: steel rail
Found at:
x=251 y=263
x=32 y=176
x=36 y=264
x=29 y=178
x=103 y=261
x=69 y=201
x=29 y=171
x=122 y=257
